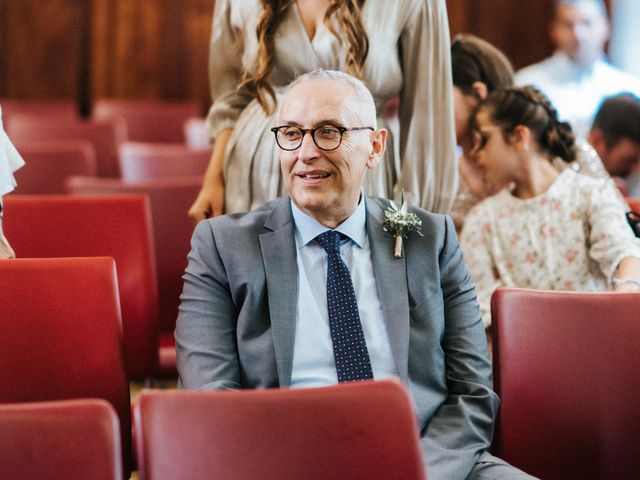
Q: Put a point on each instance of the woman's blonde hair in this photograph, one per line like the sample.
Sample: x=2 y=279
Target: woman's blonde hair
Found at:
x=347 y=15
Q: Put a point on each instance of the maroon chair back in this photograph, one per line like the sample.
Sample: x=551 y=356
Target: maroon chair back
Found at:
x=38 y=108
x=105 y=136
x=59 y=440
x=170 y=199
x=566 y=369
x=149 y=121
x=48 y=164
x=60 y=335
x=353 y=431
x=117 y=226
x=140 y=162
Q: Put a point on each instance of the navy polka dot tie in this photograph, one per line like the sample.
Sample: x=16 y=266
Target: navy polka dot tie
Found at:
x=349 y=345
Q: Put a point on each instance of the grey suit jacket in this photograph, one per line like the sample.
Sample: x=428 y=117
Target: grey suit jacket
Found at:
x=236 y=323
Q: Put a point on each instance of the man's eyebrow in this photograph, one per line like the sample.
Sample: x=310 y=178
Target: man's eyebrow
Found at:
x=320 y=123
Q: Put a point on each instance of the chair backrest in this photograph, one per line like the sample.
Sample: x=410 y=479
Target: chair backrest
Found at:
x=634 y=203
x=170 y=200
x=38 y=108
x=105 y=136
x=60 y=335
x=148 y=121
x=60 y=440
x=153 y=161
x=566 y=369
x=81 y=226
x=49 y=163
x=353 y=431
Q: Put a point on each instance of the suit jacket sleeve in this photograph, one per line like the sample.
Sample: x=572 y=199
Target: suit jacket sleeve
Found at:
x=205 y=329
x=462 y=427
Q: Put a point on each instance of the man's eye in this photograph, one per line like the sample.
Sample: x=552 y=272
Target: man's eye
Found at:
x=290 y=133
x=328 y=132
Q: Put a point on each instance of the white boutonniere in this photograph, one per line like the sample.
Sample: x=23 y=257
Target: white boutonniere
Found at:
x=399 y=223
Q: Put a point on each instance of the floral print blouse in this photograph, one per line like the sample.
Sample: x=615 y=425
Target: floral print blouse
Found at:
x=571 y=237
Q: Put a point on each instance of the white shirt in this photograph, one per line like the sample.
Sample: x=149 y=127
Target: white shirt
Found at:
x=577 y=91
x=10 y=161
x=313 y=359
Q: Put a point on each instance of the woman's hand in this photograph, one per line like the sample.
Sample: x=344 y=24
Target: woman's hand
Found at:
x=210 y=200
x=5 y=249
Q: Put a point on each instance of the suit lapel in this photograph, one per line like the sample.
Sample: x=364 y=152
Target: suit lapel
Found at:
x=391 y=281
x=278 y=249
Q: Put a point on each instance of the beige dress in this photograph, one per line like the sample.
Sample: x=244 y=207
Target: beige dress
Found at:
x=408 y=56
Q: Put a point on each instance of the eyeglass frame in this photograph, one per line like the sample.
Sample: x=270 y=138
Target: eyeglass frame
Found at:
x=312 y=131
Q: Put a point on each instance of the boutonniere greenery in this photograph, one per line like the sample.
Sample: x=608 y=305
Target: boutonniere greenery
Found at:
x=399 y=223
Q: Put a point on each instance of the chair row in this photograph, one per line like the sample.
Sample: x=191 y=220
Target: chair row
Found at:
x=357 y=431
x=565 y=367
x=149 y=237
x=145 y=120
x=50 y=163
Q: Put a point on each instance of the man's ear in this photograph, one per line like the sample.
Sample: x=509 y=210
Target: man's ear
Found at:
x=378 y=146
x=597 y=141
x=480 y=90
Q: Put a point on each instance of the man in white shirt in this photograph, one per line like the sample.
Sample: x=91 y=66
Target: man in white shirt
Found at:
x=577 y=77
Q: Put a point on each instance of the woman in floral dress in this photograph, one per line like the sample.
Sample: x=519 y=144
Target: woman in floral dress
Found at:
x=550 y=229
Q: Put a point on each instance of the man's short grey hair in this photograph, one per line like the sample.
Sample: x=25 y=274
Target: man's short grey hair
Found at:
x=599 y=4
x=368 y=112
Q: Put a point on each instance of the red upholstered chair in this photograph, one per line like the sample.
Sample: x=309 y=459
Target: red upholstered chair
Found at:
x=60 y=440
x=117 y=226
x=362 y=430
x=170 y=199
x=49 y=163
x=634 y=203
x=149 y=121
x=38 y=108
x=566 y=369
x=105 y=136
x=60 y=336
x=152 y=161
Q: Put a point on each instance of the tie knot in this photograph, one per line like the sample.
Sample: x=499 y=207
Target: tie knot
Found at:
x=330 y=241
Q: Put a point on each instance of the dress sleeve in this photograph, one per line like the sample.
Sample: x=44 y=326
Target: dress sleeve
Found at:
x=427 y=137
x=225 y=69
x=475 y=245
x=610 y=236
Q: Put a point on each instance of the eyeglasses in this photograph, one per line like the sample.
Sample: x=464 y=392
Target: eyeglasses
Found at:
x=326 y=137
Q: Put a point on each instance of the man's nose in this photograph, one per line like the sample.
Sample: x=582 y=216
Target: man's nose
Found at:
x=308 y=149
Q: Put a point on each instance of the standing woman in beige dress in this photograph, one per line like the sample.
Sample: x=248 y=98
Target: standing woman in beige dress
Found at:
x=398 y=47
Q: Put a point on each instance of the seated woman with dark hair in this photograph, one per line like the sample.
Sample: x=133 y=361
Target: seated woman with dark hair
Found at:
x=550 y=229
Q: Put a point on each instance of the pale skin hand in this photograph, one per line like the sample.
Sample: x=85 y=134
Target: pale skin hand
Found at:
x=210 y=200
x=5 y=249
x=629 y=268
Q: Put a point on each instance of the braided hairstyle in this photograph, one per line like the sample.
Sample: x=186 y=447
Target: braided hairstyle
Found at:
x=347 y=15
x=528 y=106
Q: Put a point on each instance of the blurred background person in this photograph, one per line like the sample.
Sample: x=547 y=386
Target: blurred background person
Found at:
x=577 y=76
x=615 y=135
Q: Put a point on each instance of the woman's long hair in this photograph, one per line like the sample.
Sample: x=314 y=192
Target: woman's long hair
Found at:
x=347 y=15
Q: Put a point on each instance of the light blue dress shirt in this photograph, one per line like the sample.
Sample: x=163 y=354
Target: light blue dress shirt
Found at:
x=313 y=360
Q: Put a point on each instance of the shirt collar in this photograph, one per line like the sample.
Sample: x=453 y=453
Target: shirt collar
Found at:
x=308 y=228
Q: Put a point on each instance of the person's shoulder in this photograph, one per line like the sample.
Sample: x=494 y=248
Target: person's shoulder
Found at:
x=534 y=73
x=245 y=222
x=619 y=78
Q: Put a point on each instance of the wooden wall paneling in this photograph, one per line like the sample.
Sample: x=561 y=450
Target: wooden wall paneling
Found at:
x=153 y=49
x=41 y=48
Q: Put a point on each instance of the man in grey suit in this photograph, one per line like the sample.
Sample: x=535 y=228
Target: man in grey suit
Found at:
x=256 y=312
